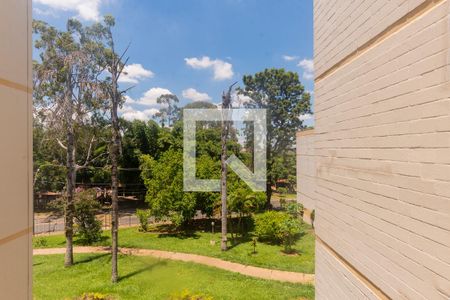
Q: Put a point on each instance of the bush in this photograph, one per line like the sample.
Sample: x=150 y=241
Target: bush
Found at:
x=187 y=295
x=294 y=209
x=268 y=225
x=143 y=215
x=277 y=227
x=88 y=228
x=290 y=230
x=40 y=242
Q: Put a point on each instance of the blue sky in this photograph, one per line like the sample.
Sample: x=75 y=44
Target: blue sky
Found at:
x=196 y=48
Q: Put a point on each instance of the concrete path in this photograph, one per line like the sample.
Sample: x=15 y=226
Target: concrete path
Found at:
x=257 y=272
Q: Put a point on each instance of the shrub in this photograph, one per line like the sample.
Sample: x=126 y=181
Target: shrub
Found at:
x=40 y=242
x=187 y=295
x=290 y=230
x=294 y=209
x=278 y=227
x=143 y=215
x=268 y=225
x=88 y=228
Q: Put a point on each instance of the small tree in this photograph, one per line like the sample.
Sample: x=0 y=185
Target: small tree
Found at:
x=289 y=231
x=143 y=216
x=88 y=227
x=277 y=227
x=163 y=179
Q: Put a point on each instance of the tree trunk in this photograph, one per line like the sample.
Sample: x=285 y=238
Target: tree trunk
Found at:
x=268 y=193
x=114 y=183
x=70 y=207
x=223 y=186
x=69 y=211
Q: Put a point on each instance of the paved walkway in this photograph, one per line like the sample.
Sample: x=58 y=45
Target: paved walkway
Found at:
x=257 y=272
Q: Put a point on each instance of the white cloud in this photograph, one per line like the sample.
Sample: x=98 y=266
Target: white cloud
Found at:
x=86 y=9
x=42 y=12
x=130 y=114
x=194 y=95
x=222 y=70
x=134 y=73
x=289 y=57
x=308 y=68
x=305 y=117
x=149 y=97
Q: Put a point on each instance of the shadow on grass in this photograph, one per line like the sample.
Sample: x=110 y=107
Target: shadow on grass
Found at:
x=239 y=241
x=91 y=258
x=180 y=235
x=141 y=270
x=82 y=242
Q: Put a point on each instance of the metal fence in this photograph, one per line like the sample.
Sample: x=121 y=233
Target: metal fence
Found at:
x=45 y=225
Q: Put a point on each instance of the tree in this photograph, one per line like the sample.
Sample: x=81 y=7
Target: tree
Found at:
x=170 y=110
x=226 y=106
x=284 y=97
x=115 y=67
x=242 y=200
x=164 y=181
x=65 y=94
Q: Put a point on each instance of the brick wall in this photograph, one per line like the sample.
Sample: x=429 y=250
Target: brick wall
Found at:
x=306 y=172
x=15 y=149
x=382 y=150
x=341 y=26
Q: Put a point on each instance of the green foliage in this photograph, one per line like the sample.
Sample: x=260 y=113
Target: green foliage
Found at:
x=294 y=209
x=282 y=192
x=284 y=97
x=188 y=295
x=277 y=227
x=40 y=242
x=290 y=229
x=313 y=217
x=241 y=199
x=143 y=215
x=164 y=181
x=268 y=225
x=88 y=227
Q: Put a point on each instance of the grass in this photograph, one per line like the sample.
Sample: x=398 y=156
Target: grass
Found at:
x=199 y=242
x=150 y=278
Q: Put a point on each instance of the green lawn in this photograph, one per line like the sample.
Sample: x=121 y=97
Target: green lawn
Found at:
x=267 y=256
x=150 y=278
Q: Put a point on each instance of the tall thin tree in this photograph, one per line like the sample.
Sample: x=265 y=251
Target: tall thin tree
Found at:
x=64 y=96
x=226 y=124
x=115 y=68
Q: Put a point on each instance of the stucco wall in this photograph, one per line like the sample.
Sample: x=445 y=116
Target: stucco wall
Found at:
x=15 y=149
x=382 y=150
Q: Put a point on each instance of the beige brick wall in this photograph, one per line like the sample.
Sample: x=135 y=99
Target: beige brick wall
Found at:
x=382 y=151
x=341 y=26
x=306 y=171
x=15 y=150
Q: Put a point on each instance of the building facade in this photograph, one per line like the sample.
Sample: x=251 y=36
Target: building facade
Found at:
x=380 y=150
x=15 y=149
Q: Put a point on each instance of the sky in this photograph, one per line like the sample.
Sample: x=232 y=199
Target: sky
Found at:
x=196 y=48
